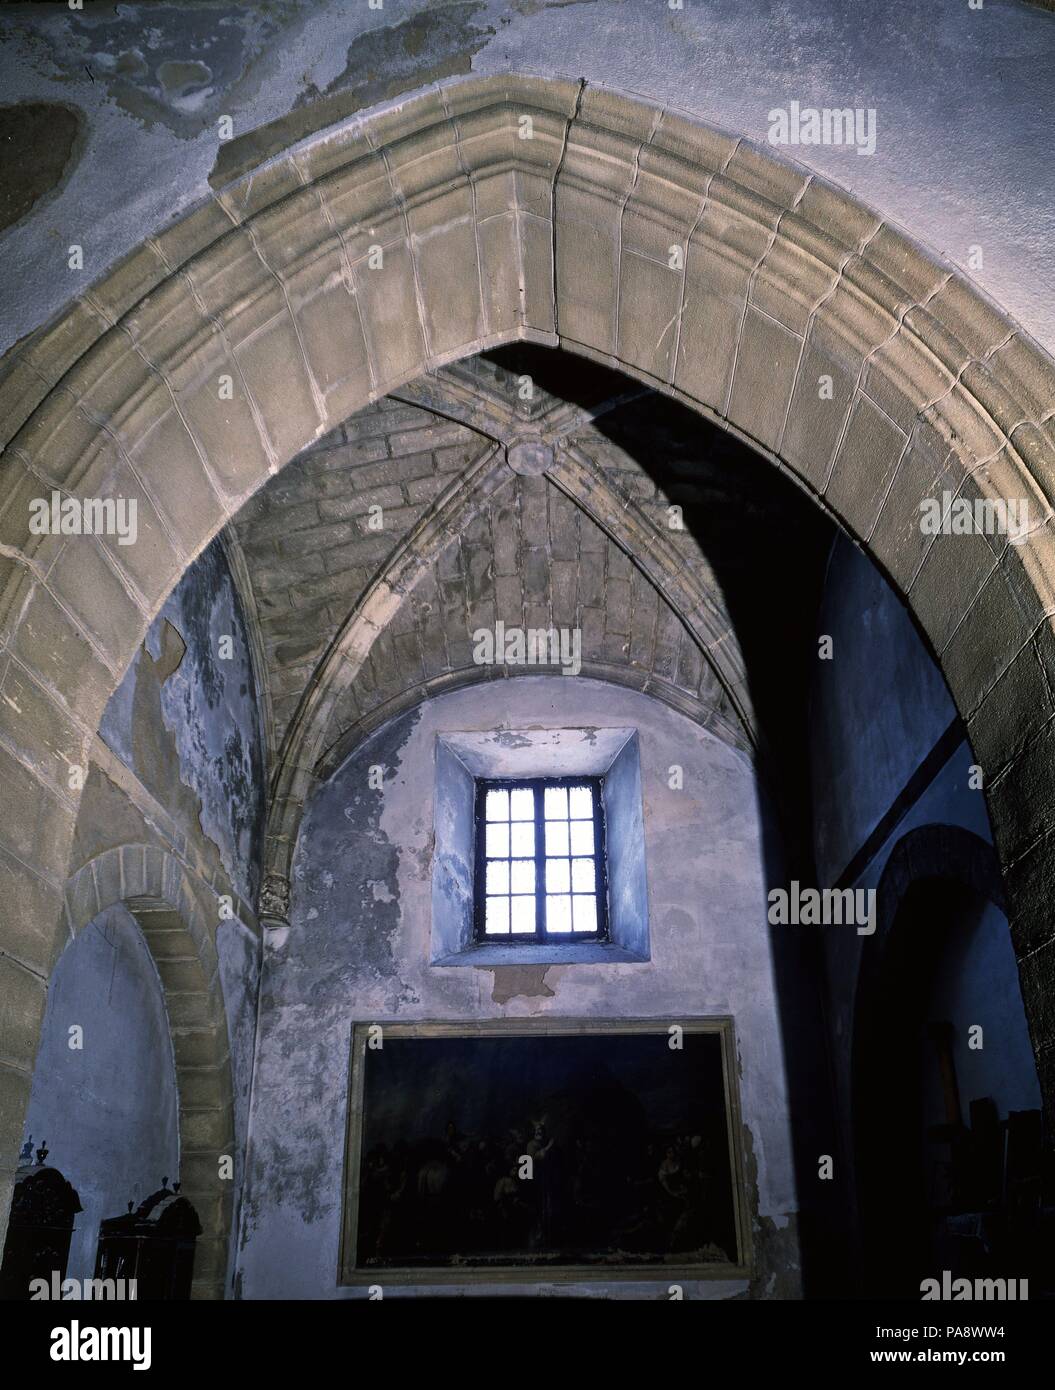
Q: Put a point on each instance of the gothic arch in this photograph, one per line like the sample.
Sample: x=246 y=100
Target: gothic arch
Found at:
x=691 y=260
x=157 y=891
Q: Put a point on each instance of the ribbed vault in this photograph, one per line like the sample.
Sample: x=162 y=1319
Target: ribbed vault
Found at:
x=379 y=552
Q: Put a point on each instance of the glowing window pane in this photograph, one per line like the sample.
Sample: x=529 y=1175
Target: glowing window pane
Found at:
x=498 y=876
x=522 y=839
x=558 y=914
x=557 y=837
x=582 y=837
x=520 y=863
x=582 y=876
x=585 y=912
x=497 y=919
x=557 y=877
x=523 y=915
x=497 y=841
x=523 y=876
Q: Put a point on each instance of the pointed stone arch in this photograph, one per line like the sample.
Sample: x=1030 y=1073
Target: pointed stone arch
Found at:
x=564 y=238
x=160 y=895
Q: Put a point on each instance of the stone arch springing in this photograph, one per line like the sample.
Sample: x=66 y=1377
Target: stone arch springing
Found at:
x=157 y=891
x=566 y=238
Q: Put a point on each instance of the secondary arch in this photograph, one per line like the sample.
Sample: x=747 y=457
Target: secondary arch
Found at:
x=687 y=258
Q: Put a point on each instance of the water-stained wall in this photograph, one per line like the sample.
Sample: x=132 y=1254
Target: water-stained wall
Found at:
x=358 y=949
x=179 y=768
x=152 y=86
x=185 y=721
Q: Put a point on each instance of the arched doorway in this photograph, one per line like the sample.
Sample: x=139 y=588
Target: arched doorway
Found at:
x=159 y=898
x=946 y=1115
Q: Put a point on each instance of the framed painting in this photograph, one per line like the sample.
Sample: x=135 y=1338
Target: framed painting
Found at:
x=556 y=1149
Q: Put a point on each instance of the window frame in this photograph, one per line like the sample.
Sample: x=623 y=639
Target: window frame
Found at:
x=539 y=936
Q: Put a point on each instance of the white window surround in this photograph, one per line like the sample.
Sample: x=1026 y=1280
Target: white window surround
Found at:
x=462 y=758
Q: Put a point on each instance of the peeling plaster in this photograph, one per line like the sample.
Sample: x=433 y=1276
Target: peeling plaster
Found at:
x=527 y=981
x=358 y=950
x=184 y=720
x=380 y=64
x=209 y=706
x=40 y=144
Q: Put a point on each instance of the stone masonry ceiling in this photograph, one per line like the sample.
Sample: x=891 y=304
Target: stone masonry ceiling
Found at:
x=591 y=544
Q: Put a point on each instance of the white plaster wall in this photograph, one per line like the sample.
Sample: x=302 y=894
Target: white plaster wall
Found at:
x=358 y=946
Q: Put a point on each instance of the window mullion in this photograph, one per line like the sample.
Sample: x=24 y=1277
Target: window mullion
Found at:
x=540 y=863
x=600 y=868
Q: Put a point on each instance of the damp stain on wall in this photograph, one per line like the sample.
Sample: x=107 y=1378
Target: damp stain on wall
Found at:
x=185 y=720
x=520 y=981
x=39 y=145
x=168 y=65
x=381 y=64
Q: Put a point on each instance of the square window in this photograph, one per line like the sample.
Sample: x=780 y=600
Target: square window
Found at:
x=584 y=915
x=497 y=876
x=498 y=842
x=522 y=839
x=558 y=913
x=497 y=919
x=522 y=876
x=582 y=875
x=581 y=836
x=558 y=880
x=522 y=917
x=541 y=871
x=556 y=837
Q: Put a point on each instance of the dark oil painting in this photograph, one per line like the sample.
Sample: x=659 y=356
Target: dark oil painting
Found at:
x=628 y=1140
